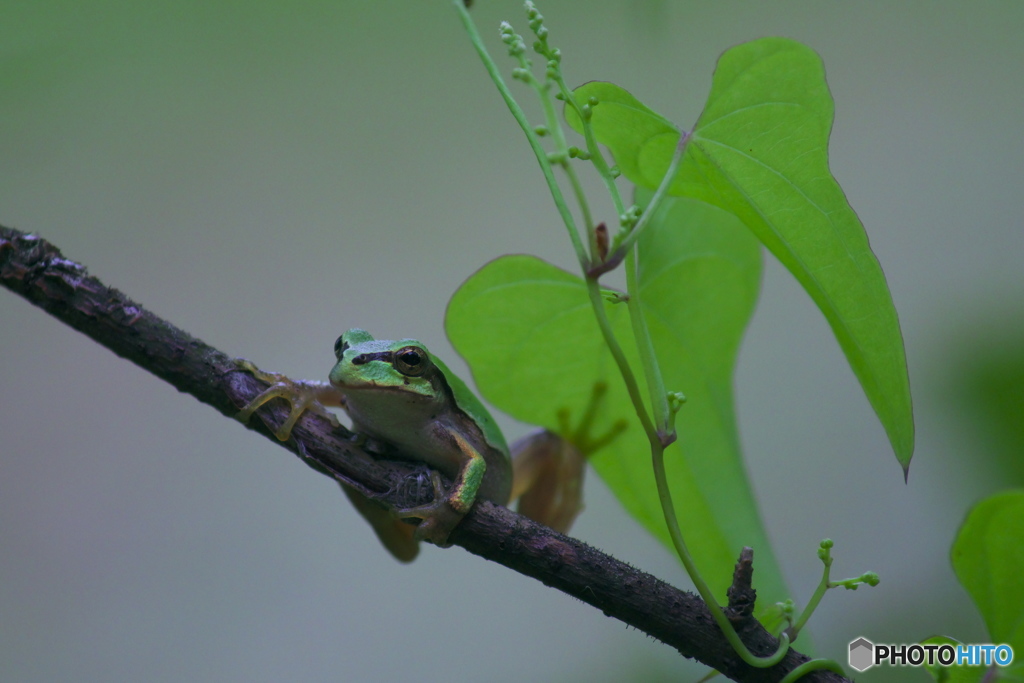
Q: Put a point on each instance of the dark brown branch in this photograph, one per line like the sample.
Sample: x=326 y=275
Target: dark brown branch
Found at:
x=35 y=269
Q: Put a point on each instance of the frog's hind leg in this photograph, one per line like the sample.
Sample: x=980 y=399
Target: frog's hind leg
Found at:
x=547 y=468
x=394 y=534
x=547 y=476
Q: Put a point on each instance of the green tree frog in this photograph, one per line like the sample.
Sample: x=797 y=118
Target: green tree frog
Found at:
x=399 y=393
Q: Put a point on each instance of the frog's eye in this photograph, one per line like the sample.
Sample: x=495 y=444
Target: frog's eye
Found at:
x=411 y=361
x=340 y=347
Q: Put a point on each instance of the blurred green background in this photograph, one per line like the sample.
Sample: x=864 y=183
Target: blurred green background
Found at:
x=268 y=174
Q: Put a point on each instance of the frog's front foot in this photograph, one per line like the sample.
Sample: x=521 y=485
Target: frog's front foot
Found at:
x=438 y=518
x=302 y=395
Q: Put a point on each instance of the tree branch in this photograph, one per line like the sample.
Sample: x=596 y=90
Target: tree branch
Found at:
x=36 y=270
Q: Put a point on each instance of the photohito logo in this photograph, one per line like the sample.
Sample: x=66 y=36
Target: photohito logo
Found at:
x=864 y=654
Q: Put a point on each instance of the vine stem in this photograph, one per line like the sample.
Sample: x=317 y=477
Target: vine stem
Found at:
x=562 y=150
x=645 y=346
x=596 y=157
x=812 y=604
x=524 y=123
x=632 y=387
x=706 y=594
x=661 y=434
x=665 y=433
x=663 y=415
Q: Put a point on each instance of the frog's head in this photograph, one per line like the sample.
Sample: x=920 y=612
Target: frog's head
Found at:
x=365 y=363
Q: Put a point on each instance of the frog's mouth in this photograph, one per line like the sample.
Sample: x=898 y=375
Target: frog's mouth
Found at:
x=408 y=389
x=374 y=386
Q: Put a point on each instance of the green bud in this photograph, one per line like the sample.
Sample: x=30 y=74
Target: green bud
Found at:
x=592 y=101
x=508 y=35
x=614 y=297
x=630 y=217
x=541 y=131
x=827 y=543
x=585 y=110
x=870 y=578
x=614 y=171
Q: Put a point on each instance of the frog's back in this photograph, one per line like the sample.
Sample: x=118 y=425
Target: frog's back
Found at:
x=468 y=403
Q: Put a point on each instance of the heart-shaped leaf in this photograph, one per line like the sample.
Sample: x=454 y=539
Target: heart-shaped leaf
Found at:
x=760 y=151
x=528 y=332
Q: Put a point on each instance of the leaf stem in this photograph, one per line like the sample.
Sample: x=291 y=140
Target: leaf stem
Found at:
x=652 y=207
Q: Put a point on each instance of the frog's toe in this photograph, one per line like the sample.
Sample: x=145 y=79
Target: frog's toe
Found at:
x=300 y=403
x=438 y=518
x=301 y=396
x=278 y=390
x=437 y=524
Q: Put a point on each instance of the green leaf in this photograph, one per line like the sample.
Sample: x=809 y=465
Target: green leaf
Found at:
x=760 y=151
x=528 y=332
x=951 y=674
x=987 y=556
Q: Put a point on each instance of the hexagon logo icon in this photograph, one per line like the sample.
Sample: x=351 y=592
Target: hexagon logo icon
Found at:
x=862 y=654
